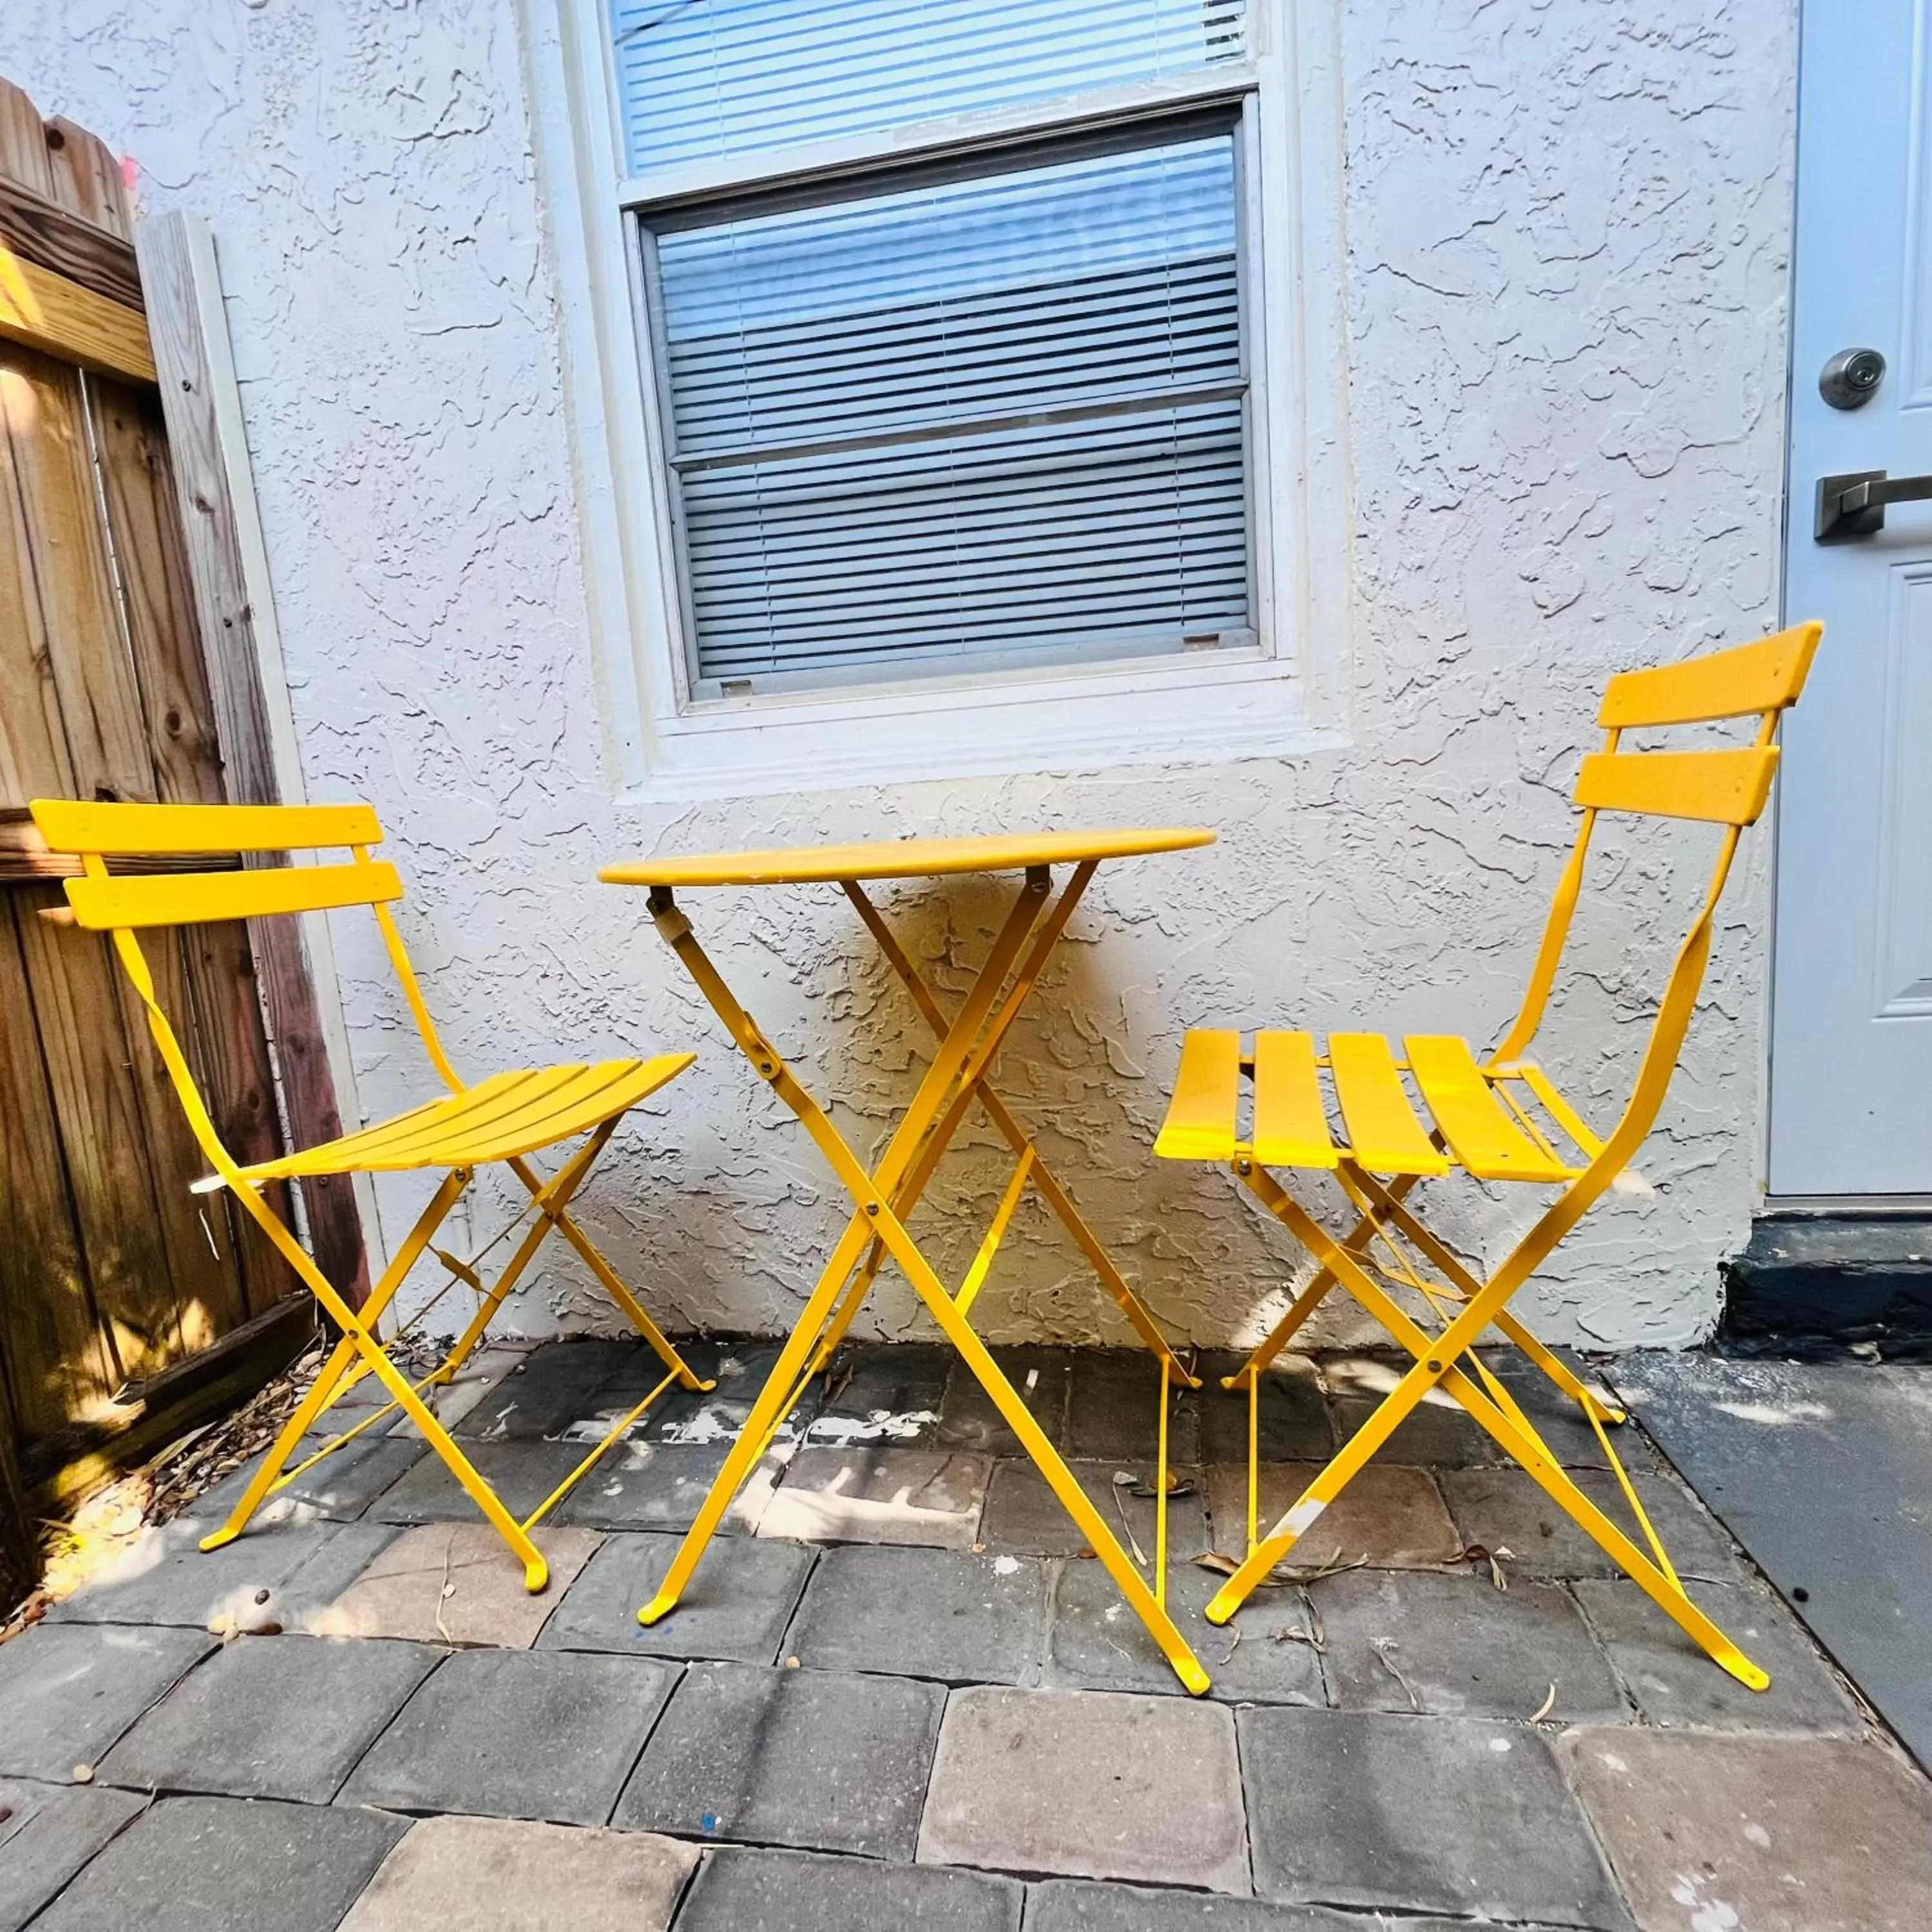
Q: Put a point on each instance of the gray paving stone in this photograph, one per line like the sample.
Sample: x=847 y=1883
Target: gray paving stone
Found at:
x=1088 y=1784
x=882 y=1394
x=522 y=1474
x=554 y=1385
x=942 y=1614
x=736 y=1606
x=47 y=1833
x=163 y=1578
x=1775 y=1834
x=227 y=1865
x=270 y=1717
x=879 y=1492
x=68 y=1690
x=803 y=1758
x=304 y=1603
x=1418 y=1814
x=968 y=1418
x=644 y=1485
x=740 y=1369
x=517 y=1734
x=1292 y=1421
x=1267 y=1656
x=1389 y=1517
x=1023 y=1517
x=340 y=1489
x=1505 y=1509
x=1113 y=1409
x=1409 y=1640
x=796 y=1891
x=497 y=1874
x=1070 y=1905
x=1676 y=1685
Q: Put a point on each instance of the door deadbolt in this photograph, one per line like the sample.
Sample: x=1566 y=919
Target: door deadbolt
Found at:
x=1851 y=378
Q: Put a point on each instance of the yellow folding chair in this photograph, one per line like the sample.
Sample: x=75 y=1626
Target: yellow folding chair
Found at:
x=1500 y=1119
x=506 y=1118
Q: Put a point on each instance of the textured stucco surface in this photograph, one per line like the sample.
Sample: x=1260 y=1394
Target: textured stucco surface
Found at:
x=1567 y=222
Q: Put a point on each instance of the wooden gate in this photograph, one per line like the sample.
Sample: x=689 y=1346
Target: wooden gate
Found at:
x=128 y=1305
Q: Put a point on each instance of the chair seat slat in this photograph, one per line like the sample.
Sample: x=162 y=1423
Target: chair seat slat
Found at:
x=1758 y=677
x=111 y=828
x=196 y=898
x=1384 y=1134
x=1479 y=1132
x=1726 y=787
x=1201 y=1122
x=1290 y=1118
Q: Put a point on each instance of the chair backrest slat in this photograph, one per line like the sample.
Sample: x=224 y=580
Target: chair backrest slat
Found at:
x=195 y=899
x=1763 y=677
x=113 y=830
x=1727 y=787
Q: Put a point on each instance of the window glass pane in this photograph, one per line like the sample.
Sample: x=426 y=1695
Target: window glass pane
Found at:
x=1007 y=416
x=717 y=79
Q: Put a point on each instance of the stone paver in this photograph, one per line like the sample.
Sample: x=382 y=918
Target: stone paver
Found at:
x=803 y=1758
x=47 y=1833
x=163 y=1578
x=1418 y=1814
x=517 y=1734
x=550 y=1389
x=1070 y=1905
x=338 y=1489
x=228 y=1864
x=523 y=1474
x=941 y=1614
x=872 y=1493
x=1266 y=1656
x=736 y=1606
x=1391 y=1517
x=495 y=1874
x=883 y=1394
x=270 y=1717
x=67 y=1691
x=740 y=1369
x=455 y=1584
x=969 y=1420
x=1292 y=1424
x=1772 y=1834
x=1505 y=1509
x=1676 y=1685
x=1090 y=1784
x=1418 y=1640
x=644 y=1485
x=1023 y=1517
x=795 y=1891
x=1113 y=1409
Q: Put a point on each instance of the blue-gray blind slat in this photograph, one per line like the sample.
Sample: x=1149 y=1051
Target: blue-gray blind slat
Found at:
x=1006 y=417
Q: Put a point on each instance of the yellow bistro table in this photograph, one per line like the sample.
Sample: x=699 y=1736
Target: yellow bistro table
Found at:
x=884 y=1198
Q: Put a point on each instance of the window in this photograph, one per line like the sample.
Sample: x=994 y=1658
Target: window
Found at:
x=986 y=410
x=955 y=388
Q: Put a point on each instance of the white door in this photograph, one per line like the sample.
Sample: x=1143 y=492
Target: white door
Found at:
x=1851 y=1107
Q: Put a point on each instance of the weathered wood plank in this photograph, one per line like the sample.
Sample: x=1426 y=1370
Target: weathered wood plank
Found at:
x=189 y=334
x=57 y=1367
x=97 y=1104
x=86 y=178
x=38 y=230
x=221 y=1024
x=47 y=311
x=34 y=760
x=23 y=141
x=69 y=607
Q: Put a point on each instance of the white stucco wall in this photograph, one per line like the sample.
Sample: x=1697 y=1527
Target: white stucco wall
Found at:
x=1567 y=229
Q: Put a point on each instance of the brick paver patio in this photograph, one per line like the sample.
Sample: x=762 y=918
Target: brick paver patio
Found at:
x=898 y=1693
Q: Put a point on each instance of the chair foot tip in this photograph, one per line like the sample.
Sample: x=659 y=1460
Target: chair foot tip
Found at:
x=1193 y=1677
x=219 y=1540
x=658 y=1607
x=1221 y=1610
x=536 y=1578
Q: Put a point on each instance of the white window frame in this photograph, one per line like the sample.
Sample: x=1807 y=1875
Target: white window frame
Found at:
x=1288 y=694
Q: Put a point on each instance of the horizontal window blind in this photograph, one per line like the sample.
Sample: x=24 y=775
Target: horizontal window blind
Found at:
x=721 y=79
x=927 y=428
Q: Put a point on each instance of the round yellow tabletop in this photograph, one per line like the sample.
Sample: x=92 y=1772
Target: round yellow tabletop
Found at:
x=905 y=858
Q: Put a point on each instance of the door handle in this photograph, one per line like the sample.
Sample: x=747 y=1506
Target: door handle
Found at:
x=1852 y=506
